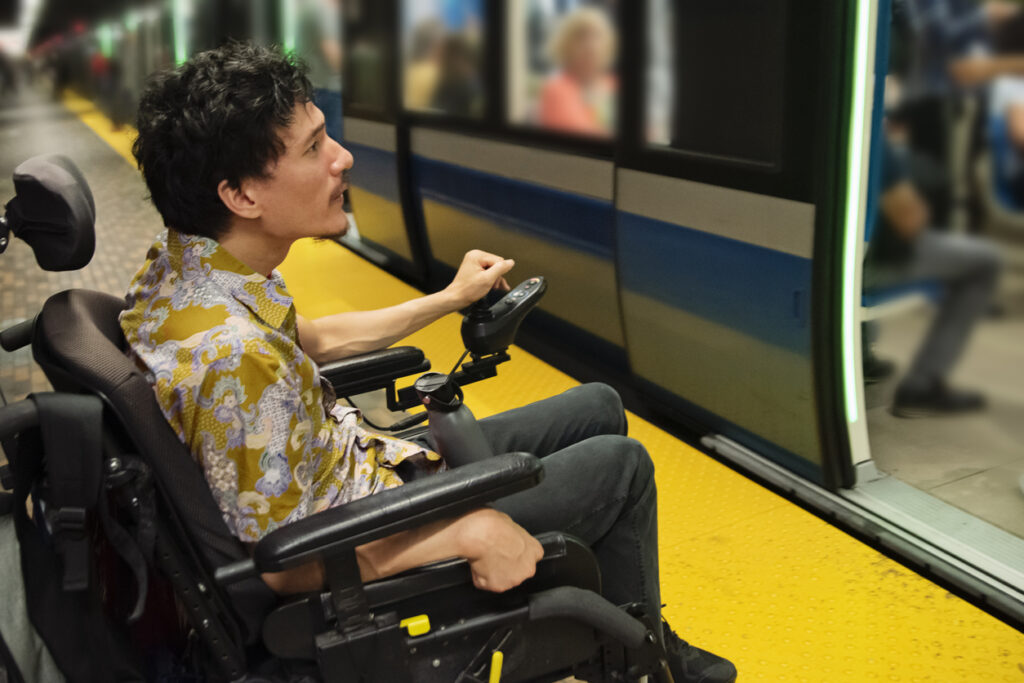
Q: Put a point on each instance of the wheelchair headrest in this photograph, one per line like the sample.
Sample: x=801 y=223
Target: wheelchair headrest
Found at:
x=53 y=211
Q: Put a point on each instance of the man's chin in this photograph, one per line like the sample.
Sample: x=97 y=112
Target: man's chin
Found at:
x=336 y=233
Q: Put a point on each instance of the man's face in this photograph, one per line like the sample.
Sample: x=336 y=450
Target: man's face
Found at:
x=302 y=196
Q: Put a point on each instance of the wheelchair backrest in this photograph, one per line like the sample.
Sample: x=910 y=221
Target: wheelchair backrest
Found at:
x=79 y=345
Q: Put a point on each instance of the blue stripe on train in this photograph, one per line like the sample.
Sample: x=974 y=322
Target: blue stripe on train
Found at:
x=761 y=292
x=374 y=170
x=582 y=223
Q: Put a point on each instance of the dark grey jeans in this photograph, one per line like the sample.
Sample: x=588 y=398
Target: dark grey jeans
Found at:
x=968 y=269
x=598 y=485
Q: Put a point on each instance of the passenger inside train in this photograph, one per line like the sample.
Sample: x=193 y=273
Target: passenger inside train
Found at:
x=580 y=97
x=210 y=317
x=946 y=229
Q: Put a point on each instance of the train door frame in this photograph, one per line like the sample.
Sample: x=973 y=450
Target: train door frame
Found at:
x=977 y=560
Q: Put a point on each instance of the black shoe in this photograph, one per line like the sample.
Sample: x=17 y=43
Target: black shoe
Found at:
x=690 y=664
x=939 y=400
x=877 y=369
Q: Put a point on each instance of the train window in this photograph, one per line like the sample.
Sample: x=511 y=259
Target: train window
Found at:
x=319 y=43
x=561 y=65
x=368 y=64
x=442 y=47
x=715 y=78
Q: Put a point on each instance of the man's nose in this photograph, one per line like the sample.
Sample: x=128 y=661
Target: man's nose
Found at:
x=342 y=160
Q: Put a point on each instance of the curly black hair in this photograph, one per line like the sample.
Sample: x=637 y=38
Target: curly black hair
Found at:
x=216 y=117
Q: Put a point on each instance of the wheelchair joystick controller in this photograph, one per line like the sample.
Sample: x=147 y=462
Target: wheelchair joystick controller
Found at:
x=458 y=437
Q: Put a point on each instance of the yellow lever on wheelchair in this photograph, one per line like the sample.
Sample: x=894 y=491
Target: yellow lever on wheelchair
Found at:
x=496 y=661
x=417 y=625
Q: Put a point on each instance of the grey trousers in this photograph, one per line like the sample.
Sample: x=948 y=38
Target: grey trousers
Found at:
x=968 y=270
x=598 y=485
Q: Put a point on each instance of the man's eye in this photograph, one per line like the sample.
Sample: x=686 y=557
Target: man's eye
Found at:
x=314 y=146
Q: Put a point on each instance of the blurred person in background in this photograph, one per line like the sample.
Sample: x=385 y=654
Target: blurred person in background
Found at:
x=458 y=90
x=905 y=249
x=940 y=51
x=8 y=78
x=424 y=64
x=320 y=22
x=580 y=97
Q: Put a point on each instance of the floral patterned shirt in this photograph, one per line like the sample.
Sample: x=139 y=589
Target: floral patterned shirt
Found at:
x=220 y=344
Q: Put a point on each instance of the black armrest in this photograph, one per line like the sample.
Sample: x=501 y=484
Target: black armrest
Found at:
x=375 y=370
x=411 y=505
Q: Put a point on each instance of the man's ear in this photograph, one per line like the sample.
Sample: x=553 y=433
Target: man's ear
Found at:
x=240 y=200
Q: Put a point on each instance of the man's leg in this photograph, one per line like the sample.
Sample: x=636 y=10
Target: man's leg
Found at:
x=550 y=425
x=969 y=268
x=601 y=490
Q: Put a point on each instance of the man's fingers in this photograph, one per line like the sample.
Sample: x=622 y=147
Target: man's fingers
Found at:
x=499 y=269
x=483 y=258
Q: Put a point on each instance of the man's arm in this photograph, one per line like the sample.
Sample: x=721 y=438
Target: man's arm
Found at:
x=501 y=553
x=347 y=334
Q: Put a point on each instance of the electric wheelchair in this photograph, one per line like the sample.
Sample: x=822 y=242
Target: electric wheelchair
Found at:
x=123 y=512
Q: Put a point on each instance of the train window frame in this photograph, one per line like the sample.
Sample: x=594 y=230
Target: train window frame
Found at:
x=791 y=178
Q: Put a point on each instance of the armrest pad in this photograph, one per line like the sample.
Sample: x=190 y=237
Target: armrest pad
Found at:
x=447 y=494
x=374 y=370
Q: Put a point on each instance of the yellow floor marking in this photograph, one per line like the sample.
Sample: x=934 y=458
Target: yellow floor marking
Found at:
x=120 y=139
x=745 y=573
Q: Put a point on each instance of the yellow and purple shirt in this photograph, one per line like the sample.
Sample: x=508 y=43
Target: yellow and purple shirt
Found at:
x=220 y=344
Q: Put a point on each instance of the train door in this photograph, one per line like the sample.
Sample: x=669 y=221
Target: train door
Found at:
x=505 y=156
x=938 y=475
x=722 y=200
x=386 y=231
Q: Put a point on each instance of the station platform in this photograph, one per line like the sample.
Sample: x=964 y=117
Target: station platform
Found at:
x=745 y=573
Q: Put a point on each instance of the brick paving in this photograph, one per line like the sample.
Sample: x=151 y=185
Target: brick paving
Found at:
x=126 y=222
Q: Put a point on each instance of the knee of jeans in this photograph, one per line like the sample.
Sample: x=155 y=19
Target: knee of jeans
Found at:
x=605 y=405
x=640 y=465
x=989 y=261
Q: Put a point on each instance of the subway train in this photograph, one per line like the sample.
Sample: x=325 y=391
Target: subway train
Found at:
x=703 y=232
x=709 y=256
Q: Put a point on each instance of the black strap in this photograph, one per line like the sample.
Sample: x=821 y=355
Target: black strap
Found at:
x=71 y=426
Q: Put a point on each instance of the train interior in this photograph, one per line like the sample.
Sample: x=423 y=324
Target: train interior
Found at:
x=709 y=225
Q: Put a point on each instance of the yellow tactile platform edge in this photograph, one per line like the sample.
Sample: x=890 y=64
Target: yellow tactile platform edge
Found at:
x=745 y=573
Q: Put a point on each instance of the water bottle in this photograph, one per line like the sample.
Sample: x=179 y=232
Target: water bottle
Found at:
x=455 y=431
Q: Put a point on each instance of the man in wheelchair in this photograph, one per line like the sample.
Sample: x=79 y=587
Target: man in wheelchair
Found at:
x=237 y=162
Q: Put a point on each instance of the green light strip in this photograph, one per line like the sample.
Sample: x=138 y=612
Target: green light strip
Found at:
x=105 y=33
x=180 y=35
x=854 y=219
x=289 y=25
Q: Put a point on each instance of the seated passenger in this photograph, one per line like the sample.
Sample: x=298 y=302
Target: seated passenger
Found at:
x=580 y=98
x=237 y=162
x=904 y=250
